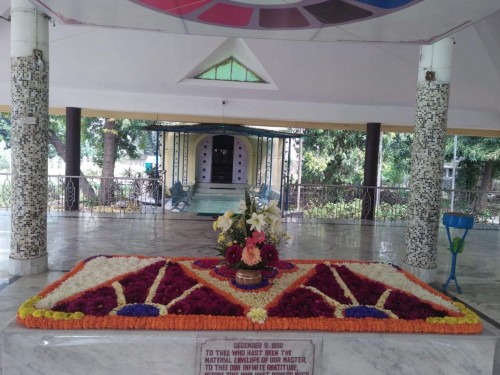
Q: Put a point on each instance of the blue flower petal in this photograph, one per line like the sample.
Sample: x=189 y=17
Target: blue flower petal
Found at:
x=139 y=309
x=364 y=312
x=262 y=284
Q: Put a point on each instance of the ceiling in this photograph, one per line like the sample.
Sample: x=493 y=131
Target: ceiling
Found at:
x=328 y=62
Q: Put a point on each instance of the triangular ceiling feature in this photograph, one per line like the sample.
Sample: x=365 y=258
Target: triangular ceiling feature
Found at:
x=231 y=49
x=230 y=69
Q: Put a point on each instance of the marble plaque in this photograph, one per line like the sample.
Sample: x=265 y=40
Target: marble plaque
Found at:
x=257 y=357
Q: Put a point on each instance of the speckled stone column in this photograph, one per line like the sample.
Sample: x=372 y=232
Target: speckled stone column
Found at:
x=29 y=138
x=427 y=159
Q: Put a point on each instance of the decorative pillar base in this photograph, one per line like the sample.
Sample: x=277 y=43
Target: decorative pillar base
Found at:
x=32 y=266
x=427 y=275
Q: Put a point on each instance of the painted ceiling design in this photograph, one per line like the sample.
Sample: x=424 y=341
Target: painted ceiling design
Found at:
x=388 y=21
x=276 y=14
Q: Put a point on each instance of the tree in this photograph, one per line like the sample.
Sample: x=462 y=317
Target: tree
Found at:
x=479 y=164
x=396 y=157
x=106 y=140
x=479 y=161
x=108 y=160
x=333 y=157
x=128 y=135
x=57 y=127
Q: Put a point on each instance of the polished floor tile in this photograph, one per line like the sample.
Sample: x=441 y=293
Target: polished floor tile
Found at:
x=75 y=237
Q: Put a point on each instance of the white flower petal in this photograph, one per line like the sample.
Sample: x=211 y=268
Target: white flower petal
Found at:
x=257 y=221
x=242 y=207
x=224 y=223
x=273 y=208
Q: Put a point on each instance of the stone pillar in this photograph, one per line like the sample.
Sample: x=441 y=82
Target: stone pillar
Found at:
x=73 y=137
x=372 y=145
x=428 y=159
x=29 y=138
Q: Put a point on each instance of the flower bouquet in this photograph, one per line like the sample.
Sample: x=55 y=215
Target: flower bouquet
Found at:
x=249 y=240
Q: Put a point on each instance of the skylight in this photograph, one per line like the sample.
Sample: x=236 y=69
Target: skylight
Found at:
x=230 y=69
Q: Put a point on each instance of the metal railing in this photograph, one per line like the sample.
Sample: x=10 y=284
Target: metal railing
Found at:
x=95 y=194
x=306 y=201
x=347 y=202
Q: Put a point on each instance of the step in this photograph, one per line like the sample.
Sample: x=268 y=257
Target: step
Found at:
x=214 y=186
x=218 y=190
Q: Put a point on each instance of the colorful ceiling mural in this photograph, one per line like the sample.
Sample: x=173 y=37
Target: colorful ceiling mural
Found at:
x=276 y=14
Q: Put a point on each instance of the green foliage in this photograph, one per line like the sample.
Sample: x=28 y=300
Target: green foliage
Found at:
x=4 y=161
x=337 y=157
x=130 y=173
x=392 y=212
x=57 y=126
x=5 y=196
x=153 y=186
x=4 y=141
x=314 y=168
x=473 y=153
x=5 y=128
x=147 y=142
x=333 y=157
x=352 y=210
x=340 y=210
x=468 y=174
x=131 y=139
x=457 y=246
x=396 y=162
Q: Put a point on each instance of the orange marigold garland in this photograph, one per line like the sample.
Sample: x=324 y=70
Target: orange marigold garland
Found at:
x=179 y=294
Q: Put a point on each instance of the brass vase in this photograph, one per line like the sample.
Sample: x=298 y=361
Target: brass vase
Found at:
x=248 y=277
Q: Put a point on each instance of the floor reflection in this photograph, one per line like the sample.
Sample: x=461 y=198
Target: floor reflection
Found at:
x=71 y=239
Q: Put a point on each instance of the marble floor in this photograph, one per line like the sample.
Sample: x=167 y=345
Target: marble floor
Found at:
x=78 y=236
x=75 y=237
x=215 y=205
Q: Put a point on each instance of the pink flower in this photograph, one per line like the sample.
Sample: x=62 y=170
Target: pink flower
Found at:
x=251 y=256
x=257 y=237
x=250 y=242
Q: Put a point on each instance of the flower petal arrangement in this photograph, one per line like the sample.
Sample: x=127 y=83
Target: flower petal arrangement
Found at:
x=137 y=292
x=248 y=240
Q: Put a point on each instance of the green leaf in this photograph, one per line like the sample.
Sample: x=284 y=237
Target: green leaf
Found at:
x=456 y=247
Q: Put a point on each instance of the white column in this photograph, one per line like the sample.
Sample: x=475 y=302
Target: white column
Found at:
x=436 y=58
x=29 y=138
x=431 y=118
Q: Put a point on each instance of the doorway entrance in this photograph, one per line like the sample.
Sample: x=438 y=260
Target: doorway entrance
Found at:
x=222 y=159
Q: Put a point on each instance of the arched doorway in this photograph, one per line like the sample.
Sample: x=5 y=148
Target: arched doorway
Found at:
x=222 y=159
